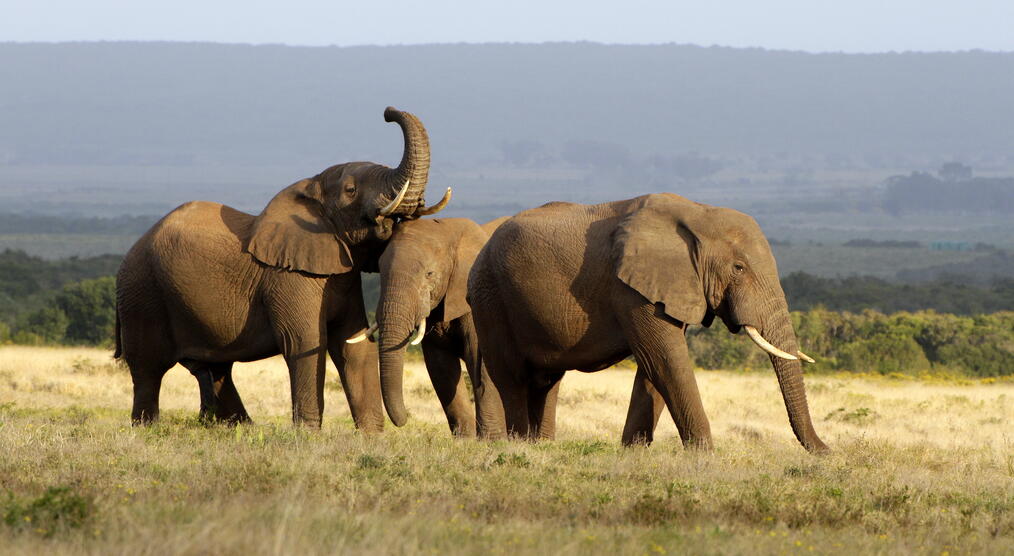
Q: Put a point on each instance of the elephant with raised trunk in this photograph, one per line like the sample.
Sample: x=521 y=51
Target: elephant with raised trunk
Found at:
x=423 y=282
x=569 y=286
x=209 y=285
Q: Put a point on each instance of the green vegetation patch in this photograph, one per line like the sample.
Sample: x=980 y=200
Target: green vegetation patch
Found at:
x=57 y=509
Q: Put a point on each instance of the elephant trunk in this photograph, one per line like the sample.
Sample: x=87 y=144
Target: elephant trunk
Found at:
x=415 y=163
x=779 y=332
x=396 y=324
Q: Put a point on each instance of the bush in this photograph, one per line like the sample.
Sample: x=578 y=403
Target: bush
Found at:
x=49 y=324
x=59 y=508
x=870 y=341
x=90 y=306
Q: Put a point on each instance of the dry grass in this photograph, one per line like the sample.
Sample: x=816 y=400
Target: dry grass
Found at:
x=918 y=468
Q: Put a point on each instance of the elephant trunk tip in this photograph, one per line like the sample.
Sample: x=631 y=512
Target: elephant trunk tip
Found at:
x=398 y=416
x=817 y=447
x=391 y=114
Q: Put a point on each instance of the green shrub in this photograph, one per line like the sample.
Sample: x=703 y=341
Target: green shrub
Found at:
x=49 y=324
x=58 y=508
x=980 y=346
x=90 y=306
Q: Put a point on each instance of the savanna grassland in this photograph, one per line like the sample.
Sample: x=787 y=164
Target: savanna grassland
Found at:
x=919 y=467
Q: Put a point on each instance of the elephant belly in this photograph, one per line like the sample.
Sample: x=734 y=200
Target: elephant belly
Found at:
x=230 y=333
x=561 y=334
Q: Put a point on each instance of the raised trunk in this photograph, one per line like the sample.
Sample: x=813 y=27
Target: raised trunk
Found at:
x=415 y=162
x=395 y=325
x=779 y=332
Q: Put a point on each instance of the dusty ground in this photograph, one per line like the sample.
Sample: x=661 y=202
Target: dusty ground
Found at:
x=918 y=467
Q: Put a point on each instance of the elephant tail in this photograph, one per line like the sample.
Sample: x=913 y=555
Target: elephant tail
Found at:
x=118 y=351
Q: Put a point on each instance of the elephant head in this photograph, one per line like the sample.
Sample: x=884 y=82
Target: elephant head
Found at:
x=423 y=274
x=316 y=224
x=700 y=261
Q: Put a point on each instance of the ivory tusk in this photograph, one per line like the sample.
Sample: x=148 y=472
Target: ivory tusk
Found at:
x=369 y=332
x=419 y=335
x=390 y=207
x=766 y=346
x=805 y=357
x=437 y=207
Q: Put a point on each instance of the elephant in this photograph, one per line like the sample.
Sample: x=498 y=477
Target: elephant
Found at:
x=569 y=286
x=423 y=279
x=209 y=285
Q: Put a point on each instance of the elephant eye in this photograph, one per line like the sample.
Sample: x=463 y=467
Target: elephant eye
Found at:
x=350 y=188
x=429 y=274
x=738 y=268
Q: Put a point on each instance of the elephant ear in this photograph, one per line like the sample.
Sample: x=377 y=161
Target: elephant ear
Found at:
x=653 y=253
x=292 y=233
x=469 y=244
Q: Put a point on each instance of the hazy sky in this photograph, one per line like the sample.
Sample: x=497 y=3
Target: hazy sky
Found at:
x=813 y=25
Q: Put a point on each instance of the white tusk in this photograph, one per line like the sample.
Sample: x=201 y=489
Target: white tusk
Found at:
x=437 y=207
x=390 y=207
x=419 y=335
x=805 y=357
x=766 y=346
x=369 y=332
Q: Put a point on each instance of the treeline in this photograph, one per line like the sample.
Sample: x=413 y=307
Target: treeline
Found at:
x=28 y=284
x=945 y=295
x=872 y=342
x=82 y=313
x=953 y=190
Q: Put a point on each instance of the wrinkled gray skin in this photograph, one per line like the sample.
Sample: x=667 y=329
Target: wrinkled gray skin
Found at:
x=568 y=286
x=424 y=275
x=209 y=285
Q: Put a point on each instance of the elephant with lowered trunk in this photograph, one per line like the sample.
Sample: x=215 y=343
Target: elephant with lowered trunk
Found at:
x=423 y=281
x=569 y=286
x=209 y=285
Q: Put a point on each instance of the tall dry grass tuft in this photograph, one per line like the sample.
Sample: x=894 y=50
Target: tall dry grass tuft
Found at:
x=918 y=467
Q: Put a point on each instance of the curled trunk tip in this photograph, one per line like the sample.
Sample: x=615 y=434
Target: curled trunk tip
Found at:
x=415 y=162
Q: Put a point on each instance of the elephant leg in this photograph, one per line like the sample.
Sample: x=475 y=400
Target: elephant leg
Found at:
x=359 y=372
x=542 y=409
x=306 y=381
x=514 y=396
x=660 y=347
x=229 y=407
x=488 y=408
x=501 y=398
x=646 y=404
x=206 y=384
x=504 y=384
x=448 y=381
x=147 y=381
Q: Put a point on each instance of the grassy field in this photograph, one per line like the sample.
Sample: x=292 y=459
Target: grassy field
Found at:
x=918 y=467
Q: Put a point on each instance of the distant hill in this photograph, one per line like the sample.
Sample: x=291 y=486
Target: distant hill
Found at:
x=190 y=103
x=92 y=124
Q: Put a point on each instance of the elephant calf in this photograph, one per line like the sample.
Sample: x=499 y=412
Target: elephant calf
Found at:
x=567 y=286
x=423 y=279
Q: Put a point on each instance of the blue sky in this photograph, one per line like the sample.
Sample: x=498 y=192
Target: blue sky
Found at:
x=812 y=25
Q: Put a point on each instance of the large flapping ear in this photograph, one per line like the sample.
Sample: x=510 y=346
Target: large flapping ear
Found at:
x=653 y=253
x=293 y=233
x=470 y=242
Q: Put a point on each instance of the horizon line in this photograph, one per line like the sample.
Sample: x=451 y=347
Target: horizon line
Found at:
x=508 y=43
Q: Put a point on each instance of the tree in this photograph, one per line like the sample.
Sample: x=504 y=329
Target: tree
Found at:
x=90 y=306
x=955 y=171
x=48 y=324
